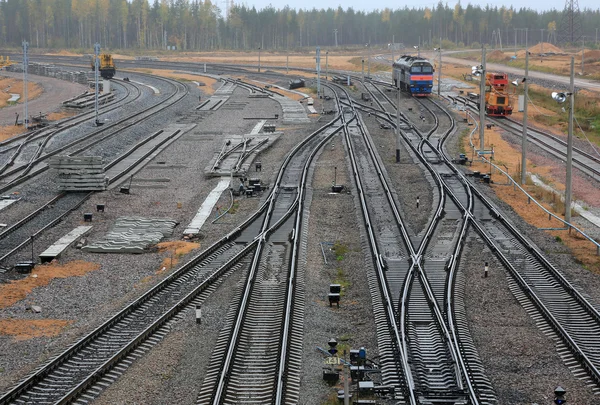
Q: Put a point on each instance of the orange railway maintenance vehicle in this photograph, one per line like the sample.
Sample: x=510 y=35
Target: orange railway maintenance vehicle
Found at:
x=497 y=99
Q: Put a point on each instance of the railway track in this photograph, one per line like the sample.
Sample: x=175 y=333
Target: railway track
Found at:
x=570 y=316
x=251 y=363
x=435 y=370
x=586 y=162
x=545 y=293
x=29 y=146
x=50 y=213
x=80 y=373
x=83 y=143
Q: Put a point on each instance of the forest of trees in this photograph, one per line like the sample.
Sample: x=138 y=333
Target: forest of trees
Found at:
x=201 y=25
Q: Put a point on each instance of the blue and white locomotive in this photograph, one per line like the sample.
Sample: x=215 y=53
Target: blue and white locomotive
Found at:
x=413 y=74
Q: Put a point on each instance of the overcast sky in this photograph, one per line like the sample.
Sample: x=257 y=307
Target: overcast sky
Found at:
x=539 y=5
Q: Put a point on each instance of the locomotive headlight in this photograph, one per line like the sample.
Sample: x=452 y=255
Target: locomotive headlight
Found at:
x=431 y=85
x=412 y=85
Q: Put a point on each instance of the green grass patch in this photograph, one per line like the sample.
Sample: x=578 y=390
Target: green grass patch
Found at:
x=340 y=250
x=461 y=140
x=342 y=280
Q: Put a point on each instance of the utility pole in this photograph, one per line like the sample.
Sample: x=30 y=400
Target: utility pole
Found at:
x=440 y=68
x=287 y=62
x=363 y=69
x=500 y=38
x=25 y=69
x=398 y=126
x=369 y=60
x=542 y=40
x=318 y=71
x=393 y=39
x=482 y=101
x=582 y=52
x=259 y=59
x=326 y=65
x=524 y=139
x=96 y=69
x=570 y=145
x=335 y=34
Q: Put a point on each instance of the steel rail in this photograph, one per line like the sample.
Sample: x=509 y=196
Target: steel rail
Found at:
x=570 y=289
x=398 y=333
x=20 y=179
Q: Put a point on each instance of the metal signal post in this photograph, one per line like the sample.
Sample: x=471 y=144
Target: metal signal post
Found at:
x=524 y=140
x=25 y=68
x=482 y=102
x=96 y=69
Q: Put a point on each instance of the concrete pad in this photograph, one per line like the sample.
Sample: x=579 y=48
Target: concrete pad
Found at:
x=207 y=207
x=63 y=243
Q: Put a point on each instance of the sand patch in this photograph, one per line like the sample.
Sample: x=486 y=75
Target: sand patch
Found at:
x=42 y=275
x=542 y=47
x=335 y=61
x=209 y=82
x=63 y=52
x=24 y=329
x=10 y=85
x=10 y=130
x=55 y=116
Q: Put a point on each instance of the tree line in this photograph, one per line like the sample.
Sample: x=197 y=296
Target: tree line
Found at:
x=196 y=25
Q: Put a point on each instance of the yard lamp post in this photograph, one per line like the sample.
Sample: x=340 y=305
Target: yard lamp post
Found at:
x=368 y=60
x=326 y=64
x=439 y=68
x=524 y=135
x=561 y=98
x=259 y=59
x=480 y=71
x=25 y=68
x=363 y=70
x=96 y=72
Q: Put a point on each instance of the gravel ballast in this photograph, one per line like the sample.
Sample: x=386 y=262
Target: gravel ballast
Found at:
x=521 y=361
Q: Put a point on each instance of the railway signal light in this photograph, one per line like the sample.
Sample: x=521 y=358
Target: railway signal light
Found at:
x=332 y=346
x=559 y=395
x=516 y=82
x=560 y=97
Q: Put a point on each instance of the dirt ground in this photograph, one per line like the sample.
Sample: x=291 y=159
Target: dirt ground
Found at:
x=10 y=85
x=558 y=63
x=335 y=61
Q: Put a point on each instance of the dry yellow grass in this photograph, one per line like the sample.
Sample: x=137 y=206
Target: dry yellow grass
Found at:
x=174 y=251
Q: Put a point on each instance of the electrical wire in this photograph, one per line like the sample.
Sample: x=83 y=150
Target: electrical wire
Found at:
x=585 y=136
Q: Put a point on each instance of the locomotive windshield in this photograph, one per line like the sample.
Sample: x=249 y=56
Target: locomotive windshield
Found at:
x=427 y=69
x=415 y=69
